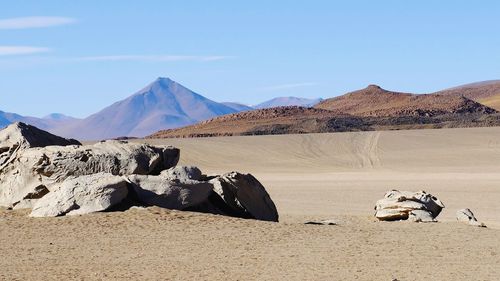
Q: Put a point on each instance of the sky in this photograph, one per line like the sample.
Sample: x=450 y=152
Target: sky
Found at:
x=77 y=57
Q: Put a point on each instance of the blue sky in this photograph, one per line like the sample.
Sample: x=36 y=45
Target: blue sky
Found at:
x=77 y=57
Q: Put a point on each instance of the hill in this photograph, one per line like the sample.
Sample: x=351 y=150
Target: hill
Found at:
x=277 y=120
x=377 y=102
x=486 y=92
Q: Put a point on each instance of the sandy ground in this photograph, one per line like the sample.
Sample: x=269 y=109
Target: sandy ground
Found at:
x=317 y=176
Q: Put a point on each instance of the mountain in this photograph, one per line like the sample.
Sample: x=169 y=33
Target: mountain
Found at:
x=59 y=117
x=288 y=101
x=162 y=104
x=49 y=123
x=7 y=118
x=485 y=92
x=375 y=101
x=238 y=106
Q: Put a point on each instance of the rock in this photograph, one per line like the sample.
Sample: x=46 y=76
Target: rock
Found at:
x=402 y=205
x=55 y=176
x=466 y=216
x=82 y=195
x=26 y=136
x=323 y=222
x=176 y=188
x=21 y=136
x=182 y=172
x=421 y=216
x=392 y=214
x=40 y=168
x=245 y=196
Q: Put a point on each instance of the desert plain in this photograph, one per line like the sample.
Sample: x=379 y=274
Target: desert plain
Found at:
x=336 y=176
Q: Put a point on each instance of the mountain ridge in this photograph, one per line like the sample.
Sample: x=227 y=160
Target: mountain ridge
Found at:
x=166 y=104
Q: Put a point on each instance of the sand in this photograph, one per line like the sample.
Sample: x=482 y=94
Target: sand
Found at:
x=317 y=176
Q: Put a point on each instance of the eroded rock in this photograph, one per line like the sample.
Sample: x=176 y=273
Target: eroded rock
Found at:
x=36 y=168
x=245 y=196
x=54 y=177
x=402 y=205
x=82 y=195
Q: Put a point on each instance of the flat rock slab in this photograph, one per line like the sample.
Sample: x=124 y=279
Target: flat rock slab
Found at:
x=322 y=222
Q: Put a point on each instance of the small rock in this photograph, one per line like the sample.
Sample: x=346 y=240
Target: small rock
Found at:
x=323 y=222
x=466 y=216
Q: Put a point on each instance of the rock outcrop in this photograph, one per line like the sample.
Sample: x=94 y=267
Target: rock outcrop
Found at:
x=25 y=136
x=56 y=177
x=403 y=205
x=37 y=169
x=82 y=195
x=466 y=216
x=18 y=136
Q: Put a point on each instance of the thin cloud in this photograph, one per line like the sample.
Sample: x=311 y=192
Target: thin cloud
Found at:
x=34 y=22
x=289 y=86
x=152 y=58
x=21 y=50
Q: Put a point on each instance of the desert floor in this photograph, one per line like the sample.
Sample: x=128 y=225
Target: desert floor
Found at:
x=317 y=176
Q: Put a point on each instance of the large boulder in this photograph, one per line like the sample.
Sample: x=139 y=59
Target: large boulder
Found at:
x=402 y=205
x=82 y=195
x=245 y=196
x=35 y=170
x=466 y=216
x=176 y=188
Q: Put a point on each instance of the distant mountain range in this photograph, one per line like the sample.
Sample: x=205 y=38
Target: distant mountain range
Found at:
x=371 y=108
x=166 y=104
x=163 y=104
x=49 y=122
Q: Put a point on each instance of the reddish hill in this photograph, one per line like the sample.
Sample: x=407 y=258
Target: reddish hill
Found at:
x=377 y=102
x=276 y=120
x=487 y=92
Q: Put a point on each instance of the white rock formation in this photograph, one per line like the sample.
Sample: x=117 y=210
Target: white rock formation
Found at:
x=402 y=205
x=37 y=171
x=33 y=171
x=82 y=195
